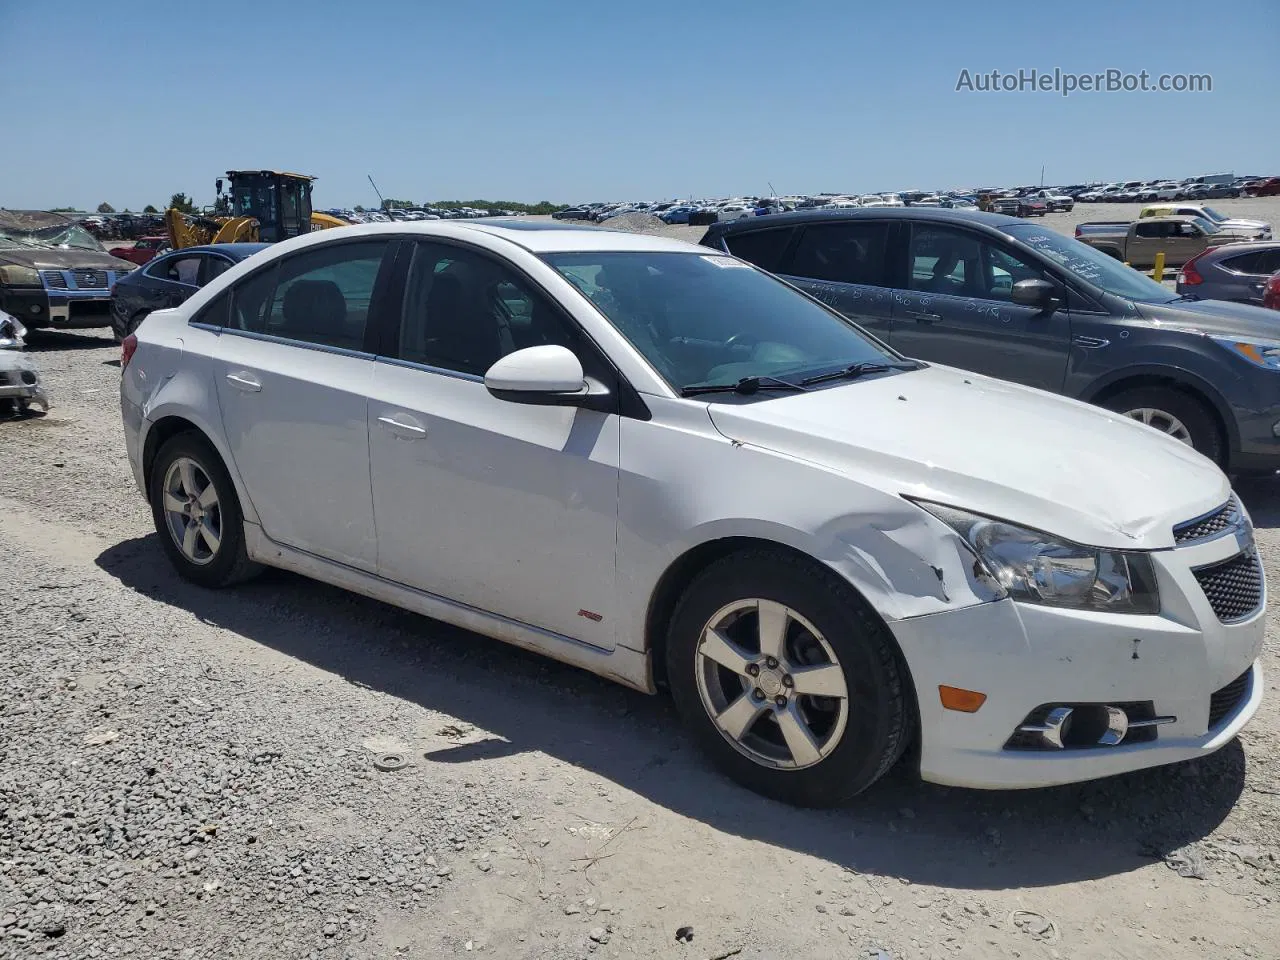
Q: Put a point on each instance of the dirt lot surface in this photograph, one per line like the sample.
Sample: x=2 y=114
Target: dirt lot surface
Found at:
x=191 y=774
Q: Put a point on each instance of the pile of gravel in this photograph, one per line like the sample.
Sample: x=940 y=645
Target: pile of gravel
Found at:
x=635 y=223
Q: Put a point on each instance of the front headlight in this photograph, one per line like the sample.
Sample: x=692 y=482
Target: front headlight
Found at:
x=15 y=276
x=1262 y=353
x=1037 y=567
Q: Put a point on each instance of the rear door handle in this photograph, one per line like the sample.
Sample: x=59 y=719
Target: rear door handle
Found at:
x=243 y=380
x=920 y=317
x=407 y=428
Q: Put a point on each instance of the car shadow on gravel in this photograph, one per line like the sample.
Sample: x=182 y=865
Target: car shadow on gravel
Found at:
x=901 y=828
x=49 y=341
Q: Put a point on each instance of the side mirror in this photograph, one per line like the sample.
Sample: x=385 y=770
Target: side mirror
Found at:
x=1034 y=293
x=546 y=376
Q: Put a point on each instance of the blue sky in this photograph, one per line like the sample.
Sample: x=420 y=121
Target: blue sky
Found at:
x=576 y=101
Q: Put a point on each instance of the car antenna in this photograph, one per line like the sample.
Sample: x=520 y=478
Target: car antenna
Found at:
x=382 y=204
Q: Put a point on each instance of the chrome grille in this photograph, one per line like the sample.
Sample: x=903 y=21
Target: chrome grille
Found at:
x=54 y=279
x=1224 y=702
x=1210 y=525
x=89 y=279
x=1233 y=587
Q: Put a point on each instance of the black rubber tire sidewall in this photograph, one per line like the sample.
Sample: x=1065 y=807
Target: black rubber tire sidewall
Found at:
x=232 y=562
x=879 y=722
x=1206 y=436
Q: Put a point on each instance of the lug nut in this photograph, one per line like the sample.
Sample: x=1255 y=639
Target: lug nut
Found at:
x=758 y=693
x=753 y=669
x=788 y=681
x=780 y=700
x=770 y=662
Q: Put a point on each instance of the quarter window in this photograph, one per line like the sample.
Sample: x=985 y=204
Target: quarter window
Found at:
x=842 y=252
x=320 y=296
x=463 y=312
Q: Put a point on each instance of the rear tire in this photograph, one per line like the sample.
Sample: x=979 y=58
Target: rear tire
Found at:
x=768 y=729
x=1176 y=413
x=205 y=539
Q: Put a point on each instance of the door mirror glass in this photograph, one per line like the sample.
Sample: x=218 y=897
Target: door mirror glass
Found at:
x=536 y=372
x=1033 y=293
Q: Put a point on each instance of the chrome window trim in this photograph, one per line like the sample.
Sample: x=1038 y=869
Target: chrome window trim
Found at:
x=428 y=368
x=288 y=342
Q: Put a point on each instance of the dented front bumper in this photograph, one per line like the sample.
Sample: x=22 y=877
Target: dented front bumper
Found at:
x=20 y=380
x=1195 y=674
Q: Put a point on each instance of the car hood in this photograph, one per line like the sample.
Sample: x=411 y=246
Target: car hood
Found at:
x=1215 y=318
x=991 y=447
x=1240 y=223
x=58 y=258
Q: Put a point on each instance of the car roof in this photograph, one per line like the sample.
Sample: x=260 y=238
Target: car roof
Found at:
x=236 y=251
x=940 y=214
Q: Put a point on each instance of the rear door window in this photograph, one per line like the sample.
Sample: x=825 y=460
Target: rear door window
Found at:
x=1261 y=262
x=764 y=248
x=849 y=252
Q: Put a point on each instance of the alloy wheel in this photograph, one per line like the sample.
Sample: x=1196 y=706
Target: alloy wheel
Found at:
x=771 y=684
x=191 y=510
x=1162 y=421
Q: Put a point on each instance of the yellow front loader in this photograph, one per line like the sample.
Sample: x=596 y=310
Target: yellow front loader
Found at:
x=261 y=206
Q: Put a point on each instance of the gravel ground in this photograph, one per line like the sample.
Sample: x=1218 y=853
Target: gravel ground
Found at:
x=195 y=774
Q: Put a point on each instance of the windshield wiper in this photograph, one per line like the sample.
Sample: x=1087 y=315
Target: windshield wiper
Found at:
x=747 y=385
x=1184 y=298
x=855 y=370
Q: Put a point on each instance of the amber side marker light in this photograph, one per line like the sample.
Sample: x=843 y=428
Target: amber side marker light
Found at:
x=965 y=701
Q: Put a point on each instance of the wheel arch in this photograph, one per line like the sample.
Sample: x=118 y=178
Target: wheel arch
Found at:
x=1174 y=379
x=168 y=424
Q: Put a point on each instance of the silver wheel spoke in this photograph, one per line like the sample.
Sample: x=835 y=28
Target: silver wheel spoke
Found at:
x=172 y=504
x=208 y=496
x=211 y=539
x=773 y=628
x=189 y=540
x=723 y=651
x=736 y=719
x=187 y=473
x=804 y=749
x=1146 y=417
x=826 y=680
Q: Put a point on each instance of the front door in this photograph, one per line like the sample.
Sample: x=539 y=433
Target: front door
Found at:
x=505 y=507
x=958 y=309
x=293 y=378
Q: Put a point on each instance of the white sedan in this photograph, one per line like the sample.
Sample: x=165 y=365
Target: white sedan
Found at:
x=665 y=466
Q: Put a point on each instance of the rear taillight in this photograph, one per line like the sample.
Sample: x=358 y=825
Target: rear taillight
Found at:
x=1271 y=293
x=127 y=346
x=1078 y=231
x=1189 y=276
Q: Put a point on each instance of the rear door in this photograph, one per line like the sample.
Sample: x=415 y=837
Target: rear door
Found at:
x=844 y=264
x=1243 y=276
x=172 y=279
x=293 y=373
x=958 y=309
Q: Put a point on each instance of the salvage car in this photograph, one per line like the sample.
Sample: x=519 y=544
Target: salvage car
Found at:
x=574 y=440
x=142 y=251
x=169 y=280
x=20 y=384
x=1237 y=272
x=1137 y=243
x=53 y=273
x=1014 y=300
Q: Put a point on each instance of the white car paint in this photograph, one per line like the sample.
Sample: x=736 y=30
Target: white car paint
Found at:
x=513 y=520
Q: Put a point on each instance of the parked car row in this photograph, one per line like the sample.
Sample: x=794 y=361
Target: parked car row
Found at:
x=962 y=569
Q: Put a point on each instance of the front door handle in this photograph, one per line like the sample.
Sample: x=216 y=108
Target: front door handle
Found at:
x=921 y=317
x=243 y=380
x=408 y=428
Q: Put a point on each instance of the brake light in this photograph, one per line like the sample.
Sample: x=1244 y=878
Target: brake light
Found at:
x=1078 y=230
x=127 y=346
x=1189 y=276
x=1271 y=293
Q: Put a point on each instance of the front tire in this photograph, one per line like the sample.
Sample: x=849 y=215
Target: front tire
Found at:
x=197 y=513
x=1175 y=413
x=787 y=679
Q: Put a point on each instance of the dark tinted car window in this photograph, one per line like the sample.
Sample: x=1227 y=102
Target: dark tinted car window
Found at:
x=764 y=248
x=1259 y=261
x=320 y=296
x=842 y=252
x=216 y=313
x=464 y=312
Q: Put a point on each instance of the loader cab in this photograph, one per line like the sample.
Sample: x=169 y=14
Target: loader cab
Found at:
x=280 y=202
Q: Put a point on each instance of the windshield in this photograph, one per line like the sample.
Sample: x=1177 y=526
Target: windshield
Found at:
x=69 y=235
x=1090 y=264
x=1208 y=226
x=710 y=319
x=1214 y=215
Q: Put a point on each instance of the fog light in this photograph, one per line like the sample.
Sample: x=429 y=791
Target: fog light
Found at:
x=28 y=377
x=35 y=308
x=1275 y=428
